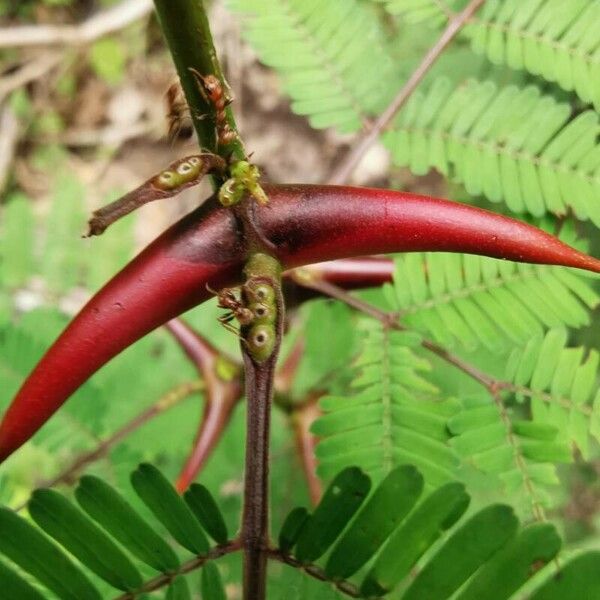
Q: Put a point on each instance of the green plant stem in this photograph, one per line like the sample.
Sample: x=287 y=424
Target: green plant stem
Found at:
x=187 y=32
x=346 y=166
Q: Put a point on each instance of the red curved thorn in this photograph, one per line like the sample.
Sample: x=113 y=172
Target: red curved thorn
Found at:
x=349 y=273
x=306 y=224
x=221 y=396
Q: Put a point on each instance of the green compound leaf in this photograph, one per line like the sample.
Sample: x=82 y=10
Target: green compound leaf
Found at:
x=466 y=550
x=561 y=383
x=72 y=529
x=14 y=586
x=17 y=241
x=169 y=508
x=376 y=520
x=513 y=454
x=393 y=415
x=514 y=564
x=108 y=508
x=331 y=47
x=576 y=580
x=511 y=144
x=212 y=585
x=436 y=513
x=339 y=503
x=291 y=528
x=206 y=510
x=554 y=40
x=479 y=301
x=37 y=555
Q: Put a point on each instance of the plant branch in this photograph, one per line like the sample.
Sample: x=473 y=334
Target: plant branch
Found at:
x=390 y=319
x=347 y=588
x=9 y=138
x=101 y=24
x=165 y=579
x=223 y=390
x=187 y=32
x=260 y=374
x=536 y=506
x=345 y=168
x=29 y=71
x=302 y=417
x=166 y=402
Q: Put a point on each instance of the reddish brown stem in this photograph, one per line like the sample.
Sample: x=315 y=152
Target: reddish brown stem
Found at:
x=284 y=378
x=345 y=168
x=223 y=390
x=302 y=418
x=260 y=377
x=168 y=401
x=165 y=579
x=391 y=320
x=348 y=273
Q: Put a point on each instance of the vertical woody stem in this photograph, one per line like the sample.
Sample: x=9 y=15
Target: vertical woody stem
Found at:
x=259 y=394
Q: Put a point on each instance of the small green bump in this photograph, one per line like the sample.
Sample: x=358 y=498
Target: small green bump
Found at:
x=261 y=341
x=241 y=170
x=230 y=192
x=167 y=180
x=263 y=313
x=261 y=292
x=186 y=171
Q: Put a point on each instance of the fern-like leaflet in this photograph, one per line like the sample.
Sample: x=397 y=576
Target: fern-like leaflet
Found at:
x=397 y=529
x=392 y=416
x=556 y=40
x=330 y=49
x=518 y=454
x=511 y=144
x=561 y=383
x=476 y=300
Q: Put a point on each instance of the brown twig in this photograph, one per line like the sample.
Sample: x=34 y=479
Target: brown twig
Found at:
x=101 y=24
x=165 y=579
x=390 y=319
x=168 y=401
x=259 y=375
x=9 y=138
x=29 y=71
x=302 y=418
x=284 y=378
x=345 y=167
x=347 y=588
x=223 y=390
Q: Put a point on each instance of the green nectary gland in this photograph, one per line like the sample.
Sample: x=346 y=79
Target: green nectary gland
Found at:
x=260 y=334
x=179 y=174
x=244 y=177
x=260 y=341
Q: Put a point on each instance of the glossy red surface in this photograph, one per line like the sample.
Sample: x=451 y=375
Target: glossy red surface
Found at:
x=307 y=224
